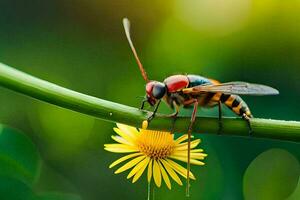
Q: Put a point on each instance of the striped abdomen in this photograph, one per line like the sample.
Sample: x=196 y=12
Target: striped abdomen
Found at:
x=234 y=102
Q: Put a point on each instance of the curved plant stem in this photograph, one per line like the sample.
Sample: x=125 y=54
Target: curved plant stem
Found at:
x=114 y=112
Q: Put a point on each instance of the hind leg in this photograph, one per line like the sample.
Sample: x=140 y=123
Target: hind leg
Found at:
x=220 y=118
x=247 y=118
x=193 y=118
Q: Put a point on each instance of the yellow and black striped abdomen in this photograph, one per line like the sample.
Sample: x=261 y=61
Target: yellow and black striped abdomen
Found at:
x=234 y=102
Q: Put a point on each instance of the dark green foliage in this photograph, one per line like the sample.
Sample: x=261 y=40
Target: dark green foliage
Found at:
x=20 y=168
x=19 y=157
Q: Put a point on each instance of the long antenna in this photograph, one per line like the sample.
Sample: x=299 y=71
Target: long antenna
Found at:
x=126 y=24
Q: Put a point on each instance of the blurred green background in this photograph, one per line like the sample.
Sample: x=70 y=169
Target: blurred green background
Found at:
x=81 y=45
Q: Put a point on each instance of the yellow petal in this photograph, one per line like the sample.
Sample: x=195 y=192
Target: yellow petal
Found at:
x=149 y=174
x=116 y=150
x=138 y=167
x=121 y=140
x=196 y=150
x=156 y=173
x=130 y=164
x=181 y=138
x=184 y=146
x=140 y=172
x=120 y=148
x=184 y=159
x=193 y=155
x=171 y=172
x=196 y=157
x=124 y=158
x=127 y=137
x=129 y=130
x=165 y=175
x=197 y=141
x=179 y=169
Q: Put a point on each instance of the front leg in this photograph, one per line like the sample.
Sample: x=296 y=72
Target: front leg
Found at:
x=154 y=112
x=143 y=104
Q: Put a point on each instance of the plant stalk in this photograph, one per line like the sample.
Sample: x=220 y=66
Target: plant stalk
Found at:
x=110 y=111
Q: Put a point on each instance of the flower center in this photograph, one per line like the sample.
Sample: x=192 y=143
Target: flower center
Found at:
x=156 y=144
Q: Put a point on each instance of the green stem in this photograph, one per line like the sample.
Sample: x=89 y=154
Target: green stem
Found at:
x=114 y=112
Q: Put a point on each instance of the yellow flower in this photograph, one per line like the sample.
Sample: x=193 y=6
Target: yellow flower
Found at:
x=154 y=150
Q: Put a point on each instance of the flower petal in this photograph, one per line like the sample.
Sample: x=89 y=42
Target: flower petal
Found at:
x=165 y=175
x=181 y=170
x=171 y=172
x=140 y=172
x=181 y=138
x=129 y=130
x=184 y=153
x=196 y=150
x=124 y=158
x=130 y=164
x=149 y=174
x=127 y=137
x=184 y=146
x=193 y=157
x=138 y=167
x=120 y=148
x=156 y=173
x=184 y=159
x=121 y=140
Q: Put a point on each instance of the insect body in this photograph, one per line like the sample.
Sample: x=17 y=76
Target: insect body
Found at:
x=176 y=91
x=193 y=91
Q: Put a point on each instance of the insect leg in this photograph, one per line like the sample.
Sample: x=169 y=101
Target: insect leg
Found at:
x=220 y=118
x=193 y=117
x=143 y=104
x=247 y=118
x=154 y=112
x=174 y=115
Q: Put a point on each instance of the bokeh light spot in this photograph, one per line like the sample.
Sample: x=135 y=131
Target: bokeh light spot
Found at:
x=272 y=175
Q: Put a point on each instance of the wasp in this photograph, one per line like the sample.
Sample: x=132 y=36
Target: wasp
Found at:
x=197 y=91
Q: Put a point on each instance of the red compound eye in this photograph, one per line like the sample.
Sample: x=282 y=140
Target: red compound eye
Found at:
x=149 y=87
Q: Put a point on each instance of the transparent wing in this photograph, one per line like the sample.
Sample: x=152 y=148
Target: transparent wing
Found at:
x=240 y=88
